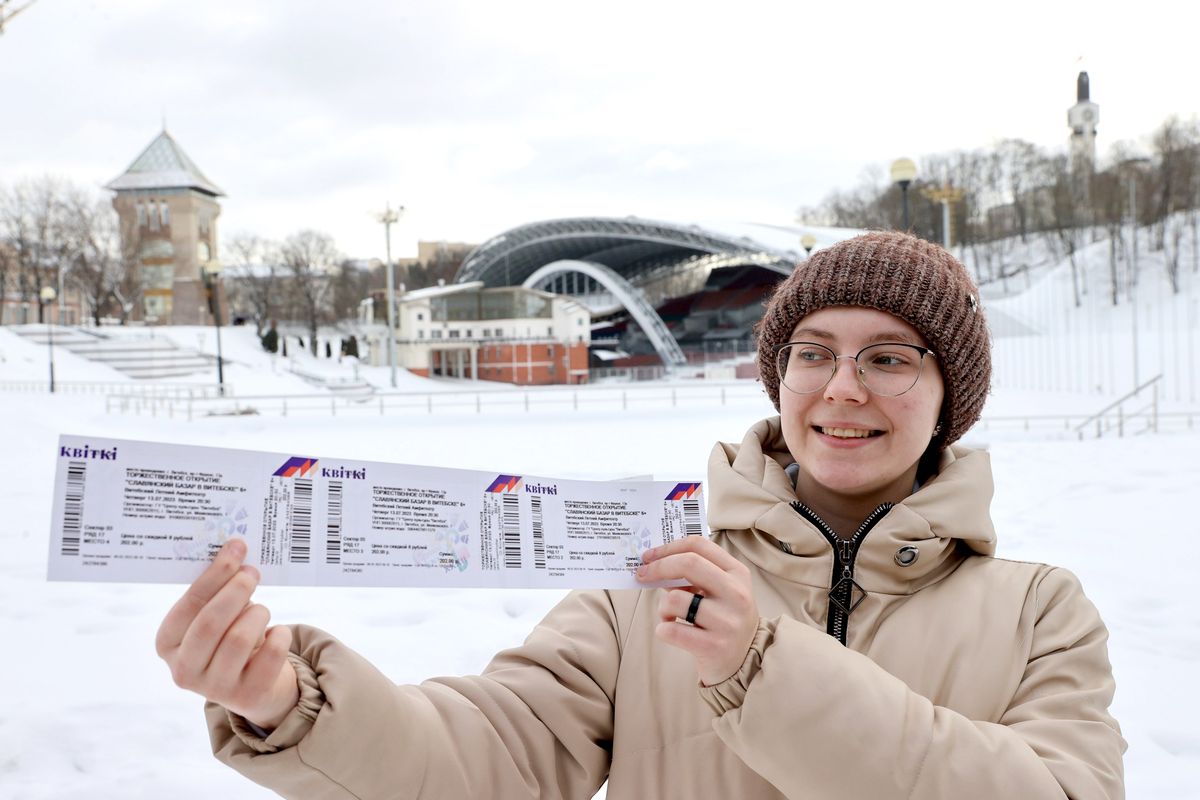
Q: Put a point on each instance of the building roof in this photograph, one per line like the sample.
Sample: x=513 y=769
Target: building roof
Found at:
x=164 y=165
x=634 y=247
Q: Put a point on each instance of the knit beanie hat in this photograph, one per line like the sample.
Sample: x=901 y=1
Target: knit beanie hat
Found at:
x=910 y=278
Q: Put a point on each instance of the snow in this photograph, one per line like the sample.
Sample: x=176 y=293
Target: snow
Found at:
x=90 y=711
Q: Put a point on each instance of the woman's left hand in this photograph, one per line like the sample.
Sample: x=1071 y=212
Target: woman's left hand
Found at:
x=727 y=617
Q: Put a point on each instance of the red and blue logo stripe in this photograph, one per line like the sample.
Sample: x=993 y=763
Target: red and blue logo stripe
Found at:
x=297 y=467
x=683 y=491
x=504 y=484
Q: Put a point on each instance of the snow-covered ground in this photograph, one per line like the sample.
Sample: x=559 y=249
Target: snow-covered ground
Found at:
x=90 y=712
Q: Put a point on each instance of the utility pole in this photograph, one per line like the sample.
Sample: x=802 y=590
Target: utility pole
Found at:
x=389 y=217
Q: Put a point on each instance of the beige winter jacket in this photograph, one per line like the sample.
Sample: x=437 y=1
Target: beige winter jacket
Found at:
x=964 y=676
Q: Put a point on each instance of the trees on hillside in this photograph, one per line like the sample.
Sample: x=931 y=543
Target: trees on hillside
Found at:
x=1016 y=191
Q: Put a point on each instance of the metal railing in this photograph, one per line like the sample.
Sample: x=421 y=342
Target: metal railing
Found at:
x=1114 y=416
x=621 y=397
x=138 y=389
x=206 y=403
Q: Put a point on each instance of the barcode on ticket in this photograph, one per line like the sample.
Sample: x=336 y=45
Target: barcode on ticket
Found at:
x=510 y=525
x=539 y=534
x=333 y=524
x=73 y=508
x=301 y=520
x=691 y=517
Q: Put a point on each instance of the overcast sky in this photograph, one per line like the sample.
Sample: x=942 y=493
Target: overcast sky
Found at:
x=477 y=115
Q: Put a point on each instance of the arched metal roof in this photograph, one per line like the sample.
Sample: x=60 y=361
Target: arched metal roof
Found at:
x=619 y=253
x=630 y=246
x=633 y=301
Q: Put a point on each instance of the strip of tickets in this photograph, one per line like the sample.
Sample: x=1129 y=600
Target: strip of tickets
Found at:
x=157 y=513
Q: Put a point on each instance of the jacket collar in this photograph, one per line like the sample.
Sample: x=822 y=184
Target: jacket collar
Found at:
x=751 y=496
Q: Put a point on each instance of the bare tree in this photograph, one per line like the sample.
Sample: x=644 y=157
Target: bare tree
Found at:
x=1109 y=210
x=93 y=248
x=351 y=286
x=1065 y=222
x=311 y=259
x=254 y=267
x=8 y=273
x=31 y=220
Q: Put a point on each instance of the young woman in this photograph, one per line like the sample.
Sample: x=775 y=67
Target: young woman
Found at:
x=846 y=632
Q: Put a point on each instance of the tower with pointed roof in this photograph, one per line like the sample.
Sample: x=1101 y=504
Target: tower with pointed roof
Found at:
x=168 y=211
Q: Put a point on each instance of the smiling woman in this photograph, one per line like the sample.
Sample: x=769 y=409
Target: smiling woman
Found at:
x=845 y=633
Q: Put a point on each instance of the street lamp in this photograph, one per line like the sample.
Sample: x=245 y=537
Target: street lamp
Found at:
x=903 y=173
x=47 y=296
x=389 y=217
x=212 y=274
x=808 y=242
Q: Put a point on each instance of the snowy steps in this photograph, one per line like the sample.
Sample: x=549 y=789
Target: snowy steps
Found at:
x=138 y=357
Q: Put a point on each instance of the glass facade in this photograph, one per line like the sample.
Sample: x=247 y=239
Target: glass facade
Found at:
x=490 y=304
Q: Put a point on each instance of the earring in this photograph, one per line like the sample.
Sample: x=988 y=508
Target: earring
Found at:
x=936 y=431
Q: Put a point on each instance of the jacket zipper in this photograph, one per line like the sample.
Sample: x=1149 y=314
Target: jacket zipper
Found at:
x=842 y=584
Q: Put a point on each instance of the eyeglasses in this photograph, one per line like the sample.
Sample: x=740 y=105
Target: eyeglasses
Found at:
x=888 y=369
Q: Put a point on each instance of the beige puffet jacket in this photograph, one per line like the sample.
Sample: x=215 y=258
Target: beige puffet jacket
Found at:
x=965 y=676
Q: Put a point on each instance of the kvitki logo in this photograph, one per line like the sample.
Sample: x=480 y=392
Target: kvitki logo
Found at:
x=683 y=491
x=537 y=488
x=87 y=451
x=297 y=467
x=504 y=484
x=344 y=472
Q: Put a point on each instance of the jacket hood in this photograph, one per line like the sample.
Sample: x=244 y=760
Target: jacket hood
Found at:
x=750 y=503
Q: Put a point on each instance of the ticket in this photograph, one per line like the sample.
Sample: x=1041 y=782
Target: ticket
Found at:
x=157 y=513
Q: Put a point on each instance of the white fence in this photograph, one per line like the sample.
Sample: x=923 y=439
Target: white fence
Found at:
x=620 y=397
x=1119 y=420
x=131 y=389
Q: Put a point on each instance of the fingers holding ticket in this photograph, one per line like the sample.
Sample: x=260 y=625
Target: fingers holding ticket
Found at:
x=217 y=644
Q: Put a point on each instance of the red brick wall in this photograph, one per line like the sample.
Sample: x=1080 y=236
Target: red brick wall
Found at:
x=535 y=364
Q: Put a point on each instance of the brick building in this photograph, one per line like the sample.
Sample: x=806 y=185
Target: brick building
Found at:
x=508 y=334
x=168 y=213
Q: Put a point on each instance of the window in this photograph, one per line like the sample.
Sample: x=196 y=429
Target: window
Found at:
x=141 y=216
x=436 y=334
x=455 y=334
x=468 y=333
x=420 y=334
x=162 y=212
x=420 y=317
x=549 y=330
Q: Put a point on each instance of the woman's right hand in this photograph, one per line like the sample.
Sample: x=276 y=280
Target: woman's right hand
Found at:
x=217 y=644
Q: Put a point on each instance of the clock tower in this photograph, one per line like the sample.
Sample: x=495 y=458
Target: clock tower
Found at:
x=1082 y=119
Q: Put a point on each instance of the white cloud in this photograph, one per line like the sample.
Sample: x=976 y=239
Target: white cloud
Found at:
x=477 y=115
x=666 y=161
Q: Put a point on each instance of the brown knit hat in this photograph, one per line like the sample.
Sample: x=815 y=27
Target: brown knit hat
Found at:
x=911 y=278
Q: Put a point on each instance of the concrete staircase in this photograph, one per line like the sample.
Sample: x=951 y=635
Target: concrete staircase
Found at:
x=141 y=356
x=339 y=385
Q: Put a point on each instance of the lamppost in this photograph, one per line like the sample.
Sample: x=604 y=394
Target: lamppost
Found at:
x=808 y=242
x=904 y=170
x=389 y=217
x=47 y=296
x=212 y=274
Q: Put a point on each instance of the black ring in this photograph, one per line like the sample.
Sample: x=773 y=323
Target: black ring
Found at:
x=693 y=608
